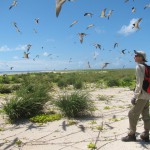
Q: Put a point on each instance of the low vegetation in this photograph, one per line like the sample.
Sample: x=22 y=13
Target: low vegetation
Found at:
x=75 y=104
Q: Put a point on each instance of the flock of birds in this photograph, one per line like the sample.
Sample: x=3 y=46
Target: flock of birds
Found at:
x=103 y=14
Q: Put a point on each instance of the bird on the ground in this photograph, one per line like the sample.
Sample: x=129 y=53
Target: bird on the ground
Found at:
x=81 y=35
x=115 y=45
x=73 y=23
x=109 y=14
x=97 y=46
x=103 y=15
x=147 y=6
x=136 y=24
x=14 y=3
x=82 y=127
x=133 y=9
x=90 y=26
x=88 y=14
x=105 y=65
x=36 y=20
x=26 y=55
x=15 y=25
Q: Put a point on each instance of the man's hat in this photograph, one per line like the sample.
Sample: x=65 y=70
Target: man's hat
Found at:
x=142 y=54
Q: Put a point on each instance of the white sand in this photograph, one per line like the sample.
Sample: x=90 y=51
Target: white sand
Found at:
x=56 y=136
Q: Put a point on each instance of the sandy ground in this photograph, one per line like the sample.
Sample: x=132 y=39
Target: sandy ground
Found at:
x=60 y=136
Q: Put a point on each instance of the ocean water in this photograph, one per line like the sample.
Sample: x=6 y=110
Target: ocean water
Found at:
x=23 y=72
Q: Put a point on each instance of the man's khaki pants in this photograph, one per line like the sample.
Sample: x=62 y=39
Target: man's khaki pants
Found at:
x=141 y=107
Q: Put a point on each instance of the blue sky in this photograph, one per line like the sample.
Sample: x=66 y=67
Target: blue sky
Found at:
x=56 y=38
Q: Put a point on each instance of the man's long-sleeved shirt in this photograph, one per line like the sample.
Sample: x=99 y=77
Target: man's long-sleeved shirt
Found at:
x=139 y=93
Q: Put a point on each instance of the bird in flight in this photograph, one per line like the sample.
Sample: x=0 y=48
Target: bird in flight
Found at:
x=26 y=55
x=133 y=9
x=105 y=65
x=73 y=23
x=81 y=35
x=14 y=3
x=136 y=24
x=123 y=51
x=88 y=14
x=115 y=45
x=15 y=25
x=109 y=14
x=97 y=46
x=147 y=6
x=90 y=26
x=103 y=15
x=28 y=47
x=59 y=4
x=37 y=20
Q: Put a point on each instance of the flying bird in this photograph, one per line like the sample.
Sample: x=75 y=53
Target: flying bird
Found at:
x=97 y=46
x=15 y=25
x=136 y=24
x=88 y=63
x=90 y=26
x=105 y=65
x=126 y=1
x=115 y=45
x=81 y=35
x=133 y=9
x=13 y=4
x=147 y=6
x=123 y=51
x=26 y=55
x=11 y=68
x=59 y=4
x=103 y=15
x=73 y=23
x=109 y=14
x=95 y=55
x=28 y=47
x=36 y=20
x=88 y=14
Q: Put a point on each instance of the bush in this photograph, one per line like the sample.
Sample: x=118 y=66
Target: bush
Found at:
x=5 y=89
x=62 y=83
x=78 y=84
x=113 y=82
x=29 y=100
x=75 y=104
x=5 y=80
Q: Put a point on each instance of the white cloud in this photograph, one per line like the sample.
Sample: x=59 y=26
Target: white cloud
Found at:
x=45 y=54
x=99 y=31
x=127 y=30
x=6 y=48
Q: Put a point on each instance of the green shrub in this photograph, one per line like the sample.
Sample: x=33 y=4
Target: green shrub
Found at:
x=44 y=118
x=113 y=82
x=29 y=100
x=62 y=83
x=5 y=80
x=5 y=89
x=78 y=84
x=75 y=104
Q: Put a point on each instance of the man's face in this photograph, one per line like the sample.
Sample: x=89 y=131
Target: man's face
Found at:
x=138 y=58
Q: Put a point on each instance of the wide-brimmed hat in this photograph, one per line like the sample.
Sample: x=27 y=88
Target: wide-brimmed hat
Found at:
x=142 y=54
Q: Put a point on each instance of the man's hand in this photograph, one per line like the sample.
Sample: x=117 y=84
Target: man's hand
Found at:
x=133 y=101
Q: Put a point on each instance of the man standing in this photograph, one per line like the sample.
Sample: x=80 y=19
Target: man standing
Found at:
x=140 y=102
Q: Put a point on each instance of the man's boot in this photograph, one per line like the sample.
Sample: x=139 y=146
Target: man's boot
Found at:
x=129 y=138
x=145 y=136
